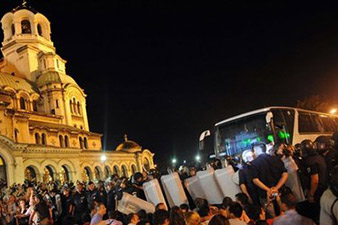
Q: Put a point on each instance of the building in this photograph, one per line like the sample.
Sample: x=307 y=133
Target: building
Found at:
x=44 y=130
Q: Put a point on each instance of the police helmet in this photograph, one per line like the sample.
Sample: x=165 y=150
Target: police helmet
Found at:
x=307 y=148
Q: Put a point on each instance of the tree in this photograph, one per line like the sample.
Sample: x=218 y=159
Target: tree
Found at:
x=316 y=103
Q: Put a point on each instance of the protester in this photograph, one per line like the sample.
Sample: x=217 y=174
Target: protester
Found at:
x=192 y=218
x=263 y=175
x=291 y=216
x=235 y=214
x=98 y=217
x=219 y=220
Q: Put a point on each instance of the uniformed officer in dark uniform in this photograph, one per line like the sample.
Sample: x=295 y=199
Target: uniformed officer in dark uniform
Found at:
x=80 y=204
x=315 y=171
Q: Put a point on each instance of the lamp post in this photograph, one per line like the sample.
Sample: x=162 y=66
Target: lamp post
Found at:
x=103 y=160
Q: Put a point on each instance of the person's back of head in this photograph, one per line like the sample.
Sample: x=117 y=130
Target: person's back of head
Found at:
x=289 y=201
x=192 y=218
x=226 y=202
x=142 y=214
x=200 y=203
x=204 y=211
x=161 y=217
x=219 y=220
x=176 y=216
x=159 y=206
x=184 y=207
x=113 y=215
x=235 y=210
x=253 y=212
x=131 y=218
x=242 y=199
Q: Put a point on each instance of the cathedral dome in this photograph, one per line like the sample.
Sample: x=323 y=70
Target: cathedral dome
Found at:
x=17 y=83
x=129 y=146
x=50 y=77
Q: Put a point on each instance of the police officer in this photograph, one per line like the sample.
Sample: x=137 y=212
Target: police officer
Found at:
x=315 y=170
x=80 y=204
x=325 y=148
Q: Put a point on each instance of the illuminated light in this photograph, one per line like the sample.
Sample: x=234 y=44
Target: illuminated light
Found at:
x=270 y=138
x=333 y=111
x=174 y=161
x=103 y=158
x=198 y=157
x=184 y=161
x=283 y=135
x=258 y=139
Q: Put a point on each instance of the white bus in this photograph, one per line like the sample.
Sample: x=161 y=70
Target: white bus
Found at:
x=269 y=125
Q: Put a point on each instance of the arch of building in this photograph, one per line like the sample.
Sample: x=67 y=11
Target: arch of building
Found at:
x=116 y=170
x=98 y=173
x=12 y=173
x=36 y=167
x=107 y=171
x=71 y=168
x=88 y=173
x=147 y=160
x=124 y=170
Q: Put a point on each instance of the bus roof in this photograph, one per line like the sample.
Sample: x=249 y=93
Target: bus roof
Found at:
x=265 y=110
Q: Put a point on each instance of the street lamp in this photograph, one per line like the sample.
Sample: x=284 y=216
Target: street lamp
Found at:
x=174 y=161
x=198 y=158
x=103 y=158
x=333 y=111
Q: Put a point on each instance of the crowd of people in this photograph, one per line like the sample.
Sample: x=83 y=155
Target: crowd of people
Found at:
x=282 y=185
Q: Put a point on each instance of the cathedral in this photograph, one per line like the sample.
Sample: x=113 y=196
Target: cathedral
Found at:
x=44 y=130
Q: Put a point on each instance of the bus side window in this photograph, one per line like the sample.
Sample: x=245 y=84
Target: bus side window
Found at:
x=328 y=123
x=317 y=123
x=305 y=123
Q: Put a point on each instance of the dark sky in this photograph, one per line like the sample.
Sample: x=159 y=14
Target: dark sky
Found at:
x=163 y=71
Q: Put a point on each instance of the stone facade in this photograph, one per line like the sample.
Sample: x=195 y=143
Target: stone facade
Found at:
x=44 y=130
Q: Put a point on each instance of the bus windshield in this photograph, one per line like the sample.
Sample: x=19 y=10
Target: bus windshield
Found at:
x=237 y=136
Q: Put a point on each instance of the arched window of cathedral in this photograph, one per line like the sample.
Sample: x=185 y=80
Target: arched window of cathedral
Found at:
x=74 y=106
x=39 y=29
x=124 y=171
x=22 y=103
x=37 y=138
x=61 y=141
x=78 y=108
x=81 y=142
x=133 y=169
x=16 y=134
x=71 y=106
x=66 y=141
x=85 y=142
x=43 y=139
x=35 y=105
x=13 y=29
x=26 y=27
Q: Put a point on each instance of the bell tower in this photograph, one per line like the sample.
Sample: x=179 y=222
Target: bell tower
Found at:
x=27 y=46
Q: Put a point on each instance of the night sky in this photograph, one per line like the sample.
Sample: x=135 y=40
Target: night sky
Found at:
x=163 y=71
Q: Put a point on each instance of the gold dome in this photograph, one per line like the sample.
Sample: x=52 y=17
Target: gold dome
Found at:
x=128 y=146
